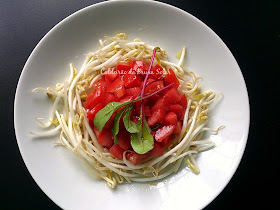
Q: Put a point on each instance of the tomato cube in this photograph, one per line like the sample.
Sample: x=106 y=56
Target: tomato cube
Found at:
x=158 y=116
x=91 y=114
x=177 y=109
x=135 y=91
x=171 y=78
x=156 y=71
x=161 y=103
x=140 y=67
x=95 y=97
x=157 y=150
x=178 y=127
x=105 y=138
x=136 y=158
x=147 y=111
x=108 y=97
x=131 y=80
x=153 y=86
x=170 y=119
x=164 y=132
x=110 y=74
x=126 y=98
x=117 y=151
x=165 y=142
x=172 y=96
x=124 y=139
x=117 y=88
x=124 y=67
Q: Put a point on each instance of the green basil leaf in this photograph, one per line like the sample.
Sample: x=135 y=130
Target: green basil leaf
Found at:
x=116 y=122
x=143 y=141
x=104 y=114
x=130 y=126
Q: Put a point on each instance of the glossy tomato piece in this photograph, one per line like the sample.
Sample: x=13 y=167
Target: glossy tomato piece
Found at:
x=177 y=109
x=100 y=83
x=95 y=97
x=153 y=86
x=109 y=97
x=117 y=151
x=170 y=119
x=105 y=138
x=131 y=80
x=178 y=127
x=157 y=71
x=91 y=114
x=170 y=77
x=161 y=103
x=140 y=67
x=165 y=142
x=126 y=98
x=172 y=96
x=147 y=111
x=158 y=116
x=124 y=139
x=124 y=67
x=136 y=158
x=157 y=150
x=135 y=91
x=110 y=74
x=164 y=132
x=117 y=88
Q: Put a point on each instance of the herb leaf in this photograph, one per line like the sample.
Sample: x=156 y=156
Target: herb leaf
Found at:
x=142 y=141
x=116 y=128
x=104 y=114
x=130 y=126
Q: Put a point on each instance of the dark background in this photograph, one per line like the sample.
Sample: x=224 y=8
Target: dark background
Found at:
x=250 y=29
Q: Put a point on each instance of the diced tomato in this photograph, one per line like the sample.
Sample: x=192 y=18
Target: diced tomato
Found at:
x=105 y=138
x=124 y=67
x=124 y=139
x=108 y=82
x=171 y=78
x=100 y=83
x=95 y=97
x=126 y=98
x=157 y=150
x=161 y=103
x=170 y=119
x=108 y=97
x=178 y=127
x=177 y=109
x=140 y=67
x=156 y=71
x=164 y=132
x=97 y=133
x=91 y=114
x=110 y=74
x=117 y=151
x=165 y=142
x=158 y=116
x=184 y=103
x=136 y=158
x=117 y=88
x=135 y=91
x=172 y=96
x=153 y=86
x=147 y=111
x=131 y=80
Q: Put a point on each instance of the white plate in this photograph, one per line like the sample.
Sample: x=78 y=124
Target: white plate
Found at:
x=60 y=174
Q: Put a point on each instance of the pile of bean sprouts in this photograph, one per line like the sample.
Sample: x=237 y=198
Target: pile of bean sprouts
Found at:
x=68 y=116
